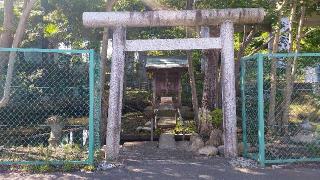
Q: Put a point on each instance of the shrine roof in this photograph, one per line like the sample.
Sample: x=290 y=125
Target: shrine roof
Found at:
x=166 y=62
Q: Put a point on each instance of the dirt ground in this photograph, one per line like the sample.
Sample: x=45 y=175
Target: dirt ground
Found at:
x=144 y=160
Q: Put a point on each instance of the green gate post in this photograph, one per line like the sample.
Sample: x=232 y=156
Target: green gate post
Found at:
x=91 y=104
x=261 y=157
x=243 y=108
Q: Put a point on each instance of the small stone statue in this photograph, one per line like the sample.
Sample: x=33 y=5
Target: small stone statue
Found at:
x=306 y=125
x=56 y=124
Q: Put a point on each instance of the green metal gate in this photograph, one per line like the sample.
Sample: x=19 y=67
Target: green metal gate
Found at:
x=53 y=112
x=281 y=124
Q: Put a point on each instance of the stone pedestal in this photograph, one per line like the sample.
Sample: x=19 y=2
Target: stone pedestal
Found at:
x=167 y=141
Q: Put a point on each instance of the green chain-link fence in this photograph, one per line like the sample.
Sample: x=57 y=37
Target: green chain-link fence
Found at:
x=53 y=112
x=281 y=107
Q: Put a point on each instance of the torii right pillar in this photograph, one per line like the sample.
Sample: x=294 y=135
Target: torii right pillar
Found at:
x=228 y=90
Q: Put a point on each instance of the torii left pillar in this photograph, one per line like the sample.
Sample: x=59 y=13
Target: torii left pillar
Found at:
x=116 y=94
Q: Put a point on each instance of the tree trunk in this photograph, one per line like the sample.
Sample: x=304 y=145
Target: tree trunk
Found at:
x=245 y=42
x=210 y=95
x=288 y=88
x=7 y=33
x=8 y=26
x=298 y=38
x=18 y=37
x=273 y=71
x=103 y=81
x=290 y=72
x=195 y=104
x=273 y=81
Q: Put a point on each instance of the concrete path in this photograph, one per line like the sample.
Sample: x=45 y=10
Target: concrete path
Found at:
x=149 y=163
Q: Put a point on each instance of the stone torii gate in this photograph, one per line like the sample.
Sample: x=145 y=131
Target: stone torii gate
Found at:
x=120 y=20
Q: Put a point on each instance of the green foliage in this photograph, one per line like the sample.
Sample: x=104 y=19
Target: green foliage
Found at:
x=188 y=127
x=311 y=42
x=45 y=168
x=136 y=100
x=158 y=132
x=216 y=118
x=129 y=5
x=89 y=168
x=68 y=167
x=72 y=151
x=59 y=21
x=185 y=80
x=25 y=168
x=99 y=155
x=313 y=149
x=175 y=4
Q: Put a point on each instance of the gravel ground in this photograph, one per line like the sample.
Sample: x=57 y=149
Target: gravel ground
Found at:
x=146 y=161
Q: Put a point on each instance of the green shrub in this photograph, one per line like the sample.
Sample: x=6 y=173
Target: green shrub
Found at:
x=45 y=168
x=216 y=118
x=188 y=127
x=68 y=167
x=89 y=168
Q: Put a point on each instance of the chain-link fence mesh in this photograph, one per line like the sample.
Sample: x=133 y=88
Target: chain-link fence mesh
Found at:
x=53 y=107
x=291 y=107
x=250 y=95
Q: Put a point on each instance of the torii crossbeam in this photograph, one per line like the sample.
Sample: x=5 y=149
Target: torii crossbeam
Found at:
x=226 y=18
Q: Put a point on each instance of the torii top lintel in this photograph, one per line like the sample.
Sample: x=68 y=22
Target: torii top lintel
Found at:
x=173 y=18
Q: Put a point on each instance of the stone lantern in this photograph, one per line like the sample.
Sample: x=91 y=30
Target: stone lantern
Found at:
x=56 y=124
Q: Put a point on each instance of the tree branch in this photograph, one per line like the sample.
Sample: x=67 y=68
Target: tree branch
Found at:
x=265 y=44
x=16 y=42
x=246 y=42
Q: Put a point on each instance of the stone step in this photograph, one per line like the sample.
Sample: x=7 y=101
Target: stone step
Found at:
x=166 y=122
x=166 y=113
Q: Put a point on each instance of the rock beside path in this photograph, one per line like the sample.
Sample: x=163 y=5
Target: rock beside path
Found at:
x=215 y=138
x=208 y=151
x=196 y=142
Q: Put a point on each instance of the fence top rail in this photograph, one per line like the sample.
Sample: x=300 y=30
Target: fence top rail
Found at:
x=279 y=55
x=252 y=57
x=75 y=51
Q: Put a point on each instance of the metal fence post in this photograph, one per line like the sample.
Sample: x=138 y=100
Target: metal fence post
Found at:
x=261 y=157
x=243 y=107
x=91 y=105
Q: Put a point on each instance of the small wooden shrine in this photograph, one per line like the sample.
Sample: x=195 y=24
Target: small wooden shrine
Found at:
x=166 y=78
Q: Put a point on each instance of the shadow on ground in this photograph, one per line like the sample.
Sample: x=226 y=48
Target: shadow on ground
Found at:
x=146 y=161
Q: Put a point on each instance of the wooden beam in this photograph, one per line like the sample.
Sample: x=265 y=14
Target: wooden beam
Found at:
x=173 y=44
x=173 y=18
